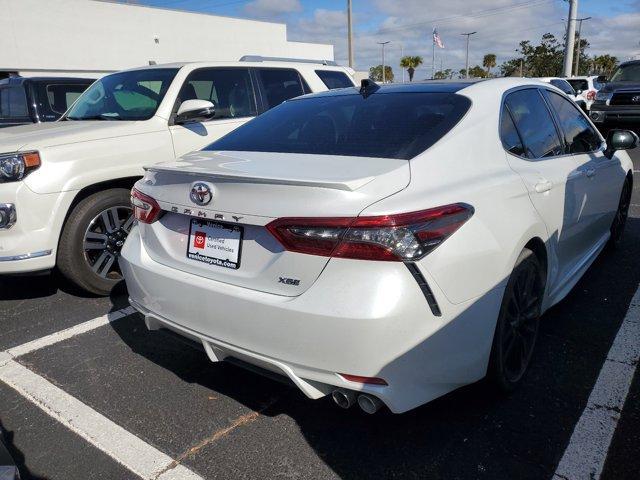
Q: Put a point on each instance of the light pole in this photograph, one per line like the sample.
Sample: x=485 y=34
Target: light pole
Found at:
x=383 y=44
x=521 y=62
x=579 y=20
x=466 y=71
x=569 y=41
x=350 y=33
x=402 y=55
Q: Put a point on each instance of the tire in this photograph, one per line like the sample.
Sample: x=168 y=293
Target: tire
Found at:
x=91 y=240
x=518 y=322
x=620 y=219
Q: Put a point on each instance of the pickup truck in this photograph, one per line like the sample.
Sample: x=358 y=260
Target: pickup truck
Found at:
x=25 y=100
x=65 y=185
x=617 y=103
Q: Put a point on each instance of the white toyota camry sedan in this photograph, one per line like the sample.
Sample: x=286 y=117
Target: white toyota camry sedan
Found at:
x=384 y=245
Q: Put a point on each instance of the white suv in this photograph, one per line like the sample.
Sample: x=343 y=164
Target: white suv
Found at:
x=64 y=186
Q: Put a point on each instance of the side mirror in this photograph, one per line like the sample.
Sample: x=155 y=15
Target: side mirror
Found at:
x=195 y=111
x=620 y=140
x=602 y=79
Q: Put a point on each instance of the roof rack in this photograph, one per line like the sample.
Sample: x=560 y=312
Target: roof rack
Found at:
x=260 y=58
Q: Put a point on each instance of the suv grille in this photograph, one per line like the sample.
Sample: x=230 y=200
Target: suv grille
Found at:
x=626 y=98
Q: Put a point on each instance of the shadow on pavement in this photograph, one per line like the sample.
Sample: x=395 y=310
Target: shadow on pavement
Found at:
x=470 y=433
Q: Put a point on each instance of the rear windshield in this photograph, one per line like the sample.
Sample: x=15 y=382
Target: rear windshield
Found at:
x=388 y=125
x=579 y=84
x=334 y=79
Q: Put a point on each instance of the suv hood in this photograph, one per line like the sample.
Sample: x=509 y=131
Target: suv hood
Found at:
x=41 y=135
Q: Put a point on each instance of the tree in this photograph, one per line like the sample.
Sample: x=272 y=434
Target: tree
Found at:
x=375 y=73
x=605 y=64
x=462 y=73
x=411 y=63
x=477 y=72
x=443 y=74
x=542 y=60
x=488 y=62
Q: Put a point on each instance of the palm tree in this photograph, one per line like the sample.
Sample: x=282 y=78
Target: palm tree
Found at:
x=411 y=63
x=489 y=62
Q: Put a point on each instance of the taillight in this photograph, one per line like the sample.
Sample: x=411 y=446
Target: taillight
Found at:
x=399 y=237
x=591 y=95
x=145 y=208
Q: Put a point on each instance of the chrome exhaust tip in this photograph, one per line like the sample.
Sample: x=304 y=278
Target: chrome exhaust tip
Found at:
x=344 y=398
x=369 y=404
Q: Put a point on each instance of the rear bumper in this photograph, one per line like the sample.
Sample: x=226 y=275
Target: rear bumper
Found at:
x=361 y=318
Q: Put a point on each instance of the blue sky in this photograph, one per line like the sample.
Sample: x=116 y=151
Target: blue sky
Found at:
x=500 y=24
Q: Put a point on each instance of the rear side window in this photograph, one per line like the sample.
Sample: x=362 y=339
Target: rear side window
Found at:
x=229 y=89
x=55 y=98
x=280 y=84
x=509 y=134
x=333 y=79
x=389 y=125
x=534 y=123
x=563 y=85
x=579 y=135
x=13 y=103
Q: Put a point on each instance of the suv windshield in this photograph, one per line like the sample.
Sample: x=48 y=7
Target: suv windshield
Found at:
x=390 y=125
x=627 y=73
x=133 y=95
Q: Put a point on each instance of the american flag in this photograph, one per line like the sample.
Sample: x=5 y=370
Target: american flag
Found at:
x=436 y=38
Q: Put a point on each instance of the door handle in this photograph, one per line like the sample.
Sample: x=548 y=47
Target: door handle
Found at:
x=543 y=186
x=591 y=172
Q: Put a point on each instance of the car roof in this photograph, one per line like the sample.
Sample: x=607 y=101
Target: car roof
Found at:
x=630 y=62
x=467 y=87
x=204 y=64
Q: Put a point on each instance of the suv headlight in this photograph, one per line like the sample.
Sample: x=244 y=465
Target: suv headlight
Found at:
x=15 y=166
x=603 y=96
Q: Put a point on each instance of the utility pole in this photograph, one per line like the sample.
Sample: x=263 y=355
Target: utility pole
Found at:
x=570 y=39
x=579 y=20
x=383 y=44
x=402 y=55
x=466 y=71
x=350 y=34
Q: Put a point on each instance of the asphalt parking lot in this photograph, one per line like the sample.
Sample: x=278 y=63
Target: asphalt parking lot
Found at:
x=160 y=402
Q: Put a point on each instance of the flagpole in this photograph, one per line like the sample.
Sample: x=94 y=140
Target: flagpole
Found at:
x=433 y=54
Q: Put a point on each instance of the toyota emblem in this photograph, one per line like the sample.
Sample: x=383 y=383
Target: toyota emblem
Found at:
x=200 y=193
x=635 y=99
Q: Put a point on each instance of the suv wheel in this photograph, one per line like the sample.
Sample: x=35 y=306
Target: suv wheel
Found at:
x=92 y=238
x=620 y=220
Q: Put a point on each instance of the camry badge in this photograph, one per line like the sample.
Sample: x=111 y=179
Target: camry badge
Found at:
x=200 y=193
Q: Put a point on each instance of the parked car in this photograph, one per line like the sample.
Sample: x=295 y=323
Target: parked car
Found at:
x=65 y=185
x=586 y=87
x=617 y=103
x=389 y=244
x=25 y=100
x=567 y=89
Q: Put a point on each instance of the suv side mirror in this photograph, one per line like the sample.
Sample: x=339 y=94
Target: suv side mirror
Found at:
x=602 y=79
x=620 y=140
x=195 y=111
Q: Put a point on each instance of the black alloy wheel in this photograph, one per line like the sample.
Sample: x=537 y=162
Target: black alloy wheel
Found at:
x=518 y=323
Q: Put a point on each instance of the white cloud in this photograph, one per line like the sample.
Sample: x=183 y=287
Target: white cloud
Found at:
x=272 y=8
x=500 y=26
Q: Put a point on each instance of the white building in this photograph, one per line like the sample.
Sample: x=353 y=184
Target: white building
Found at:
x=90 y=38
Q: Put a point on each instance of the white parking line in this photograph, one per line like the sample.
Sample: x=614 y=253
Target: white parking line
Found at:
x=587 y=451
x=66 y=334
x=124 y=447
x=133 y=453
